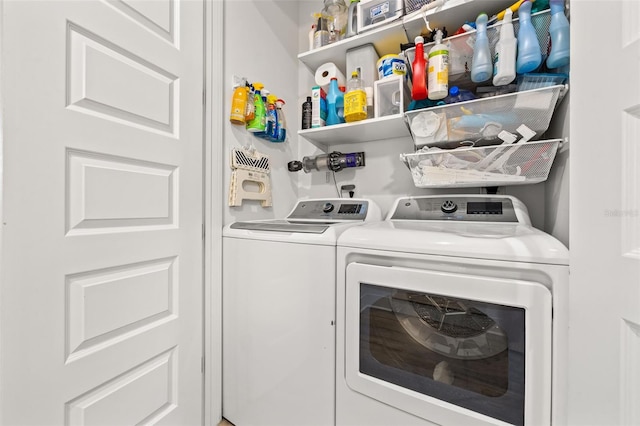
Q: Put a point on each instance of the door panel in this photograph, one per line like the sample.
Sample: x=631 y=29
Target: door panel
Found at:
x=101 y=303
x=604 y=386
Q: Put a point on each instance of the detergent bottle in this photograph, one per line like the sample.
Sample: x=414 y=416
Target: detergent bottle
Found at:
x=419 y=72
x=238 y=104
x=438 y=69
x=258 y=124
x=559 y=31
x=504 y=65
x=335 y=102
x=355 y=100
x=529 y=55
x=481 y=65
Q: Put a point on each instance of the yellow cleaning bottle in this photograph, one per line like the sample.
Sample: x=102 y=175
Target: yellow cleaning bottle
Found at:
x=238 y=104
x=355 y=100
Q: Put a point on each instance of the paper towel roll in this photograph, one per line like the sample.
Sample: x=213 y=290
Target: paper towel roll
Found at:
x=326 y=72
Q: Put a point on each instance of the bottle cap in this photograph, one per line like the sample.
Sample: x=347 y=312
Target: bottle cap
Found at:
x=354 y=74
x=272 y=99
x=283 y=102
x=454 y=91
x=419 y=39
x=258 y=86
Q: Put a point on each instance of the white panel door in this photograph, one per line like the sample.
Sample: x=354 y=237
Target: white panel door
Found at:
x=604 y=377
x=101 y=297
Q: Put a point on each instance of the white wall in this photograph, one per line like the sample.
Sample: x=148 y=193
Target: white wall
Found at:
x=259 y=44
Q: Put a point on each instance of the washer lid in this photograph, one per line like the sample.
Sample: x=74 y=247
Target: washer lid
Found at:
x=283 y=226
x=515 y=242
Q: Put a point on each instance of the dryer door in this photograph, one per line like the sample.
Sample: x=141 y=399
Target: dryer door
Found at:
x=448 y=347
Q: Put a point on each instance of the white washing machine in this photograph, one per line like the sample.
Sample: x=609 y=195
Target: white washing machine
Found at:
x=279 y=280
x=453 y=311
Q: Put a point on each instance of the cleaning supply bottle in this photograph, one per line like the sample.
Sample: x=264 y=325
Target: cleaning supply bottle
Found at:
x=258 y=123
x=238 y=104
x=559 y=31
x=271 y=130
x=458 y=95
x=529 y=55
x=355 y=100
x=438 y=76
x=250 y=110
x=481 y=65
x=282 y=123
x=321 y=35
x=312 y=33
x=352 y=19
x=335 y=12
x=306 y=113
x=335 y=101
x=419 y=72
x=504 y=64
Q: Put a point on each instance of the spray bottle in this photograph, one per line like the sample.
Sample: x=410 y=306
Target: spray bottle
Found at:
x=419 y=72
x=529 y=55
x=258 y=123
x=438 y=69
x=481 y=65
x=250 y=110
x=504 y=67
x=559 y=31
x=271 y=129
x=282 y=124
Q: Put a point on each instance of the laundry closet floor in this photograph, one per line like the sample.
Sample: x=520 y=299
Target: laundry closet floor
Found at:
x=224 y=422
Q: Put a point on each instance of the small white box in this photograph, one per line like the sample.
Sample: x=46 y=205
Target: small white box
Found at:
x=390 y=96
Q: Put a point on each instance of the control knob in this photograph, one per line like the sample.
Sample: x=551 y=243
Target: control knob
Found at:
x=327 y=208
x=449 y=207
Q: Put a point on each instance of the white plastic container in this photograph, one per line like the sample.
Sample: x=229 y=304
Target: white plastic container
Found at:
x=504 y=66
x=391 y=96
x=438 y=75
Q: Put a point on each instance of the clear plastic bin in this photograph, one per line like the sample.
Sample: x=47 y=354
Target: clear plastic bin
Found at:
x=499 y=165
x=479 y=122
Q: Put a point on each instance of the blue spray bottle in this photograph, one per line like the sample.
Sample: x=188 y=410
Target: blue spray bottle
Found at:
x=482 y=64
x=529 y=54
x=559 y=31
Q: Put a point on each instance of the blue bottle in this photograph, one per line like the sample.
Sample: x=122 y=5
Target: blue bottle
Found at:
x=529 y=54
x=458 y=95
x=482 y=63
x=559 y=31
x=335 y=102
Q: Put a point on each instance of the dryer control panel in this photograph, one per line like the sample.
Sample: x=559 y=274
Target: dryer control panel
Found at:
x=330 y=210
x=462 y=208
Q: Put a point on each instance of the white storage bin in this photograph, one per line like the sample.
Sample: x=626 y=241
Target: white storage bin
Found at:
x=363 y=59
x=498 y=165
x=390 y=96
x=478 y=122
x=374 y=13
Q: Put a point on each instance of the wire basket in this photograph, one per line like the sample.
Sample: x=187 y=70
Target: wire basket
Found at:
x=413 y=5
x=499 y=165
x=479 y=122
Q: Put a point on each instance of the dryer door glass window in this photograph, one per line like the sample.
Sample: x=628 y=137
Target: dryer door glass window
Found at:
x=465 y=352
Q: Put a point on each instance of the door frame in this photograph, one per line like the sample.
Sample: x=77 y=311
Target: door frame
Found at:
x=213 y=198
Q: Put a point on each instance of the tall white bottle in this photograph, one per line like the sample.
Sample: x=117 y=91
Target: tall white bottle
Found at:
x=438 y=75
x=504 y=65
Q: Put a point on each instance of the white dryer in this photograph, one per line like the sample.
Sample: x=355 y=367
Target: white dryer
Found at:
x=453 y=311
x=279 y=279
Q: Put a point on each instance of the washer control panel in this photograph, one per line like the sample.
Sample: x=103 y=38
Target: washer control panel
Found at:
x=461 y=208
x=340 y=209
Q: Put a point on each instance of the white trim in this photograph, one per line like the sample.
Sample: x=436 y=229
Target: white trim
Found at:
x=213 y=208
